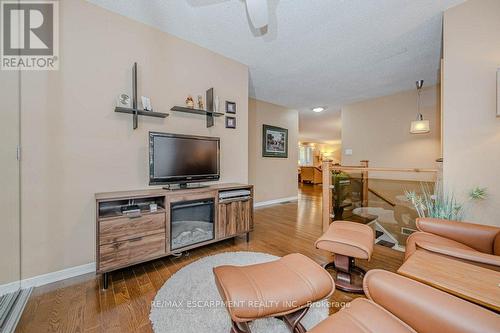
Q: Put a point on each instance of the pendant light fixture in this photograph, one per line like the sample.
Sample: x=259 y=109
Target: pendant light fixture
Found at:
x=420 y=125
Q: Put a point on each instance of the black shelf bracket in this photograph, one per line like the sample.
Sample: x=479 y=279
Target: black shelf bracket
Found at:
x=134 y=96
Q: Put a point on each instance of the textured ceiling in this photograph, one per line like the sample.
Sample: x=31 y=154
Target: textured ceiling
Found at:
x=315 y=52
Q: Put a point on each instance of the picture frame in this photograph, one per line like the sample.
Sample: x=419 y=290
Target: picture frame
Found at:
x=230 y=107
x=274 y=141
x=230 y=122
x=498 y=92
x=146 y=103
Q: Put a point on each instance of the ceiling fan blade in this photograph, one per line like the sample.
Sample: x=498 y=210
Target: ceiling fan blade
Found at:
x=258 y=13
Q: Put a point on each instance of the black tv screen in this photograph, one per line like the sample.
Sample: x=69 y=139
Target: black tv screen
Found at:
x=175 y=158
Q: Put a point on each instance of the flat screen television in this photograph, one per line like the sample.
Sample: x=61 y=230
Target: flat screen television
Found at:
x=182 y=159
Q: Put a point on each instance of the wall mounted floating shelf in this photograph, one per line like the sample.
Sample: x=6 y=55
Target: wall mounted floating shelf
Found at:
x=210 y=114
x=196 y=111
x=134 y=111
x=142 y=112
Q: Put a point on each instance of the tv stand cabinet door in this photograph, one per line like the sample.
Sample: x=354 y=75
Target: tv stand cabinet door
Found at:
x=234 y=218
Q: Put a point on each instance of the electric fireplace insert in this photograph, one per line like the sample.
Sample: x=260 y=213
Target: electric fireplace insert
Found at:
x=191 y=222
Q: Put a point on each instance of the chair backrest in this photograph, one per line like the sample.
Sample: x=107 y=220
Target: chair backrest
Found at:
x=479 y=237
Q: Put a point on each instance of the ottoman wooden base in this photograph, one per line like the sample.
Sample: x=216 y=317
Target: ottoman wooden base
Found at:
x=349 y=277
x=291 y=320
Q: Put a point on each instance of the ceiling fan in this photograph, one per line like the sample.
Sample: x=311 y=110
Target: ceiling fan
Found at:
x=258 y=13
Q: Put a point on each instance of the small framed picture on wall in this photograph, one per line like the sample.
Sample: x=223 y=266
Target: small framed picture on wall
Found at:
x=230 y=107
x=146 y=103
x=498 y=92
x=230 y=122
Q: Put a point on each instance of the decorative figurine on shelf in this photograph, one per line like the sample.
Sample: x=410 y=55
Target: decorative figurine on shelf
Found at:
x=200 y=103
x=123 y=101
x=190 y=102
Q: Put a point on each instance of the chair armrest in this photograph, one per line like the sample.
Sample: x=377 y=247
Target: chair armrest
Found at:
x=425 y=309
x=468 y=255
x=477 y=236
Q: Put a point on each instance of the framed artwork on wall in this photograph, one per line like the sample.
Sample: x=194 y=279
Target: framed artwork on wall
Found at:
x=230 y=122
x=230 y=107
x=274 y=141
x=146 y=103
x=498 y=92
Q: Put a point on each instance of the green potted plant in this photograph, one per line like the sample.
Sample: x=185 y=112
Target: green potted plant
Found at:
x=341 y=188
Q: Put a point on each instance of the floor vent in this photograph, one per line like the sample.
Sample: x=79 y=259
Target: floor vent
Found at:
x=11 y=308
x=407 y=231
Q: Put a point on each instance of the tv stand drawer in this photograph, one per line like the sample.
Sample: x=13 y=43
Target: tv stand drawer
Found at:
x=129 y=252
x=125 y=228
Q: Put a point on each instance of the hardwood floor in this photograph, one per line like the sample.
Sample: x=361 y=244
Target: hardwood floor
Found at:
x=80 y=305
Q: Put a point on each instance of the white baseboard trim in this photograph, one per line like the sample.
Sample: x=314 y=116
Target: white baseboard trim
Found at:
x=9 y=288
x=43 y=279
x=274 y=201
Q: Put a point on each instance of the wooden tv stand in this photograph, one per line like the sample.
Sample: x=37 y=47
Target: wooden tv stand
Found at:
x=123 y=240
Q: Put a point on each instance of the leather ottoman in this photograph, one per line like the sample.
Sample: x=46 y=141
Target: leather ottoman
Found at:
x=284 y=289
x=347 y=240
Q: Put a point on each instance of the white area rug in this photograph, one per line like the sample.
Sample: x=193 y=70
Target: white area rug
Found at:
x=184 y=302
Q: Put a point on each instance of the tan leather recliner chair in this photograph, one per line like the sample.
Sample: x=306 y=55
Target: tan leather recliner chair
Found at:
x=397 y=304
x=474 y=243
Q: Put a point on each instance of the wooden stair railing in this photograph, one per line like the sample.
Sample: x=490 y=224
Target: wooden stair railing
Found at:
x=381 y=196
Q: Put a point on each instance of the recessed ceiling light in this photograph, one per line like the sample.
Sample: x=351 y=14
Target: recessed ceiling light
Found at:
x=318 y=109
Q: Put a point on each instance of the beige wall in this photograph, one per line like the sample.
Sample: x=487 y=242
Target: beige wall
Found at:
x=9 y=180
x=75 y=145
x=378 y=130
x=274 y=178
x=471 y=131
